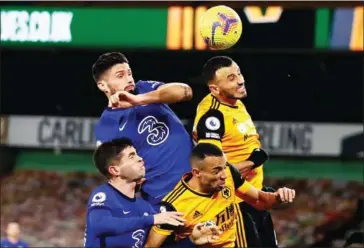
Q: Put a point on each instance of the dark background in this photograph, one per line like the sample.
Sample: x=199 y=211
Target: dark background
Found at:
x=294 y=86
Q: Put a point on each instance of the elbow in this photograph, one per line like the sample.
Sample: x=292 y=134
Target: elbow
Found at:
x=188 y=94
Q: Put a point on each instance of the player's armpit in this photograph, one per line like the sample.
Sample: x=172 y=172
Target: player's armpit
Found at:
x=156 y=237
x=211 y=126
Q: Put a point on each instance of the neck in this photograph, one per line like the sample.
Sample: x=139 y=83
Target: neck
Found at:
x=13 y=239
x=125 y=187
x=225 y=100
x=195 y=185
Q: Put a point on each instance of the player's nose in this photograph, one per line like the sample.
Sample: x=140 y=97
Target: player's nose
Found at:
x=223 y=175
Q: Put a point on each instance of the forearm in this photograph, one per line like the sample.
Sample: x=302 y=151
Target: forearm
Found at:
x=168 y=93
x=256 y=197
x=103 y=223
x=244 y=165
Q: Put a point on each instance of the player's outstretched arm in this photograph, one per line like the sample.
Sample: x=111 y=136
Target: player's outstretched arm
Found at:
x=157 y=235
x=257 y=158
x=264 y=200
x=102 y=222
x=168 y=93
x=201 y=234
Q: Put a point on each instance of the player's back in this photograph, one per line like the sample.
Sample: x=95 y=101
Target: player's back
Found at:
x=159 y=137
x=106 y=197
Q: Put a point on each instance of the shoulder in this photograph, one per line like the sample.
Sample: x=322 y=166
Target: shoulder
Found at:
x=209 y=107
x=175 y=195
x=211 y=124
x=206 y=103
x=108 y=117
x=100 y=196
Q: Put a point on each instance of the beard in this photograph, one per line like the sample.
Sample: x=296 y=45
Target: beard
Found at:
x=233 y=97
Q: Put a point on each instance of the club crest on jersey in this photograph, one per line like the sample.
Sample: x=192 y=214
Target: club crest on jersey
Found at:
x=226 y=193
x=212 y=123
x=158 y=131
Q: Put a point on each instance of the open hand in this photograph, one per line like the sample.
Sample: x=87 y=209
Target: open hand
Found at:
x=171 y=218
x=204 y=234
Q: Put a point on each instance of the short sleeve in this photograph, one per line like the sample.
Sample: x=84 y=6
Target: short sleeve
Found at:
x=211 y=126
x=148 y=86
x=237 y=177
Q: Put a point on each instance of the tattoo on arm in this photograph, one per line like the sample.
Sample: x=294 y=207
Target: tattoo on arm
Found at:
x=187 y=92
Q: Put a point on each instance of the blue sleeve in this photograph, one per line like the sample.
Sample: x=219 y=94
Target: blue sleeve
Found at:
x=148 y=86
x=25 y=245
x=102 y=222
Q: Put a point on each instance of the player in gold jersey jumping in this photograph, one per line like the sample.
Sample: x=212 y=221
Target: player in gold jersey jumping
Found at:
x=208 y=195
x=223 y=120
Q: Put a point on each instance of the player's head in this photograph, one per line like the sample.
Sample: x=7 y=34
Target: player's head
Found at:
x=118 y=158
x=224 y=78
x=209 y=166
x=13 y=229
x=112 y=73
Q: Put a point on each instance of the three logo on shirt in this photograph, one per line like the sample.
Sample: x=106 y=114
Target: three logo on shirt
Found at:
x=158 y=131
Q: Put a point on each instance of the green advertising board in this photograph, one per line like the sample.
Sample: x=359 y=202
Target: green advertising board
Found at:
x=84 y=27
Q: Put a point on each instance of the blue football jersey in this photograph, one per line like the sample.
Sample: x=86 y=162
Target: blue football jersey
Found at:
x=159 y=138
x=5 y=243
x=115 y=220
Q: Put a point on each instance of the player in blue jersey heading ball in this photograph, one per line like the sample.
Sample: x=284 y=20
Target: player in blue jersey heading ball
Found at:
x=115 y=217
x=139 y=111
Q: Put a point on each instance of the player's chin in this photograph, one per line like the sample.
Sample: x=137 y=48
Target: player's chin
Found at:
x=241 y=95
x=220 y=187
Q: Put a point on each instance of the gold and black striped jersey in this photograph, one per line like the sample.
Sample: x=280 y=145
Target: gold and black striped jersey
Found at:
x=230 y=128
x=219 y=207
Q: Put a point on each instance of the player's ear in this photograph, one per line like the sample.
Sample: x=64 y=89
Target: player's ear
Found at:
x=102 y=85
x=195 y=172
x=114 y=170
x=214 y=88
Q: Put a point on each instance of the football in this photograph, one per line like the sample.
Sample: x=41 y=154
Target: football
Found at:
x=220 y=27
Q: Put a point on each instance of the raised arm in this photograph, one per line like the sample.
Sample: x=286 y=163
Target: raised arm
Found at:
x=168 y=93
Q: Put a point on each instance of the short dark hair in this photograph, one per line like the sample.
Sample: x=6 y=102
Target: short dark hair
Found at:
x=214 y=64
x=105 y=62
x=203 y=150
x=105 y=154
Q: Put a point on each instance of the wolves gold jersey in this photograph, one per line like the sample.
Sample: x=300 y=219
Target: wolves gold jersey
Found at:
x=219 y=207
x=230 y=128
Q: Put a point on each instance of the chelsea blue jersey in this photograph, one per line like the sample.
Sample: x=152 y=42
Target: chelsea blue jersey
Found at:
x=5 y=243
x=159 y=138
x=115 y=220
